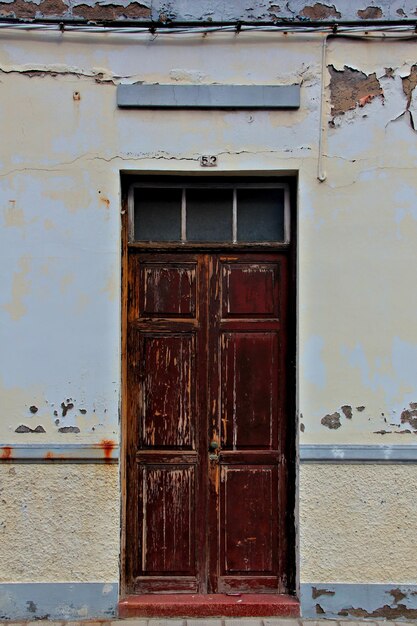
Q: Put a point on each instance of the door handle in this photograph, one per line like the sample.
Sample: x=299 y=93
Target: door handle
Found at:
x=213 y=446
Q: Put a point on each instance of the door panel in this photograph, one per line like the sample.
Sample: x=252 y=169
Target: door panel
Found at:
x=166 y=387
x=206 y=401
x=168 y=290
x=247 y=320
x=167 y=512
x=249 y=290
x=248 y=391
x=168 y=400
x=249 y=530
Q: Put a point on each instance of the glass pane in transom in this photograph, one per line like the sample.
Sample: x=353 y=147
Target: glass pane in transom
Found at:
x=260 y=215
x=157 y=214
x=209 y=215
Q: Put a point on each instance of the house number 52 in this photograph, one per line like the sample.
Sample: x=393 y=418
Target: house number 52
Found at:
x=208 y=160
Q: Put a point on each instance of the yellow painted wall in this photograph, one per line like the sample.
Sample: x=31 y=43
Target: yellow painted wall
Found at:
x=59 y=523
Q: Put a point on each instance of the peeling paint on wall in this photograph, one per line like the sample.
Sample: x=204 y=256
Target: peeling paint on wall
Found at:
x=160 y=10
x=350 y=88
x=331 y=421
x=359 y=601
x=370 y=13
x=134 y=10
x=320 y=11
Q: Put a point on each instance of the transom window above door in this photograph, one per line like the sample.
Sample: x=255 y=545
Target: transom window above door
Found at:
x=204 y=213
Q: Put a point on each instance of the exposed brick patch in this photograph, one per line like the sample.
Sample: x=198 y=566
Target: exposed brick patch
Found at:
x=409 y=83
x=22 y=8
x=320 y=11
x=134 y=10
x=349 y=87
x=370 y=13
x=58 y=8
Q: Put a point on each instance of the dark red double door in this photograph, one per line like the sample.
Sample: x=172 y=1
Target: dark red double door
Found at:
x=206 y=386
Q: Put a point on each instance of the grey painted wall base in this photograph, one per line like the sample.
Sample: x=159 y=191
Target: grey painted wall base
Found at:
x=357 y=601
x=342 y=453
x=106 y=452
x=58 y=601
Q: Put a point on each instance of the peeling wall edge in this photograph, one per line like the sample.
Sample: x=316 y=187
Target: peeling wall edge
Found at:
x=106 y=451
x=358 y=601
x=345 y=453
x=58 y=601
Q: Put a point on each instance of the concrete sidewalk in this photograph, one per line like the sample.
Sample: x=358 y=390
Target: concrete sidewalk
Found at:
x=218 y=621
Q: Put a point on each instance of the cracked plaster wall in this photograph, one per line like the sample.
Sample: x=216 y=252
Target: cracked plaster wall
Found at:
x=63 y=148
x=60 y=194
x=359 y=345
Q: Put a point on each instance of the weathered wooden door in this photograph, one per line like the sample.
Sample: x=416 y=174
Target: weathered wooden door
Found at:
x=206 y=386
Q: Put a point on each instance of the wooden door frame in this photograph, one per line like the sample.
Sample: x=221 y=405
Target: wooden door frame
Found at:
x=126 y=441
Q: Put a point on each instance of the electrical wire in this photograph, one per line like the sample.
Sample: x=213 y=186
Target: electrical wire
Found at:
x=352 y=29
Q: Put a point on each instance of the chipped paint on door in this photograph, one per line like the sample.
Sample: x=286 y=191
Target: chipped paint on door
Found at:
x=207 y=420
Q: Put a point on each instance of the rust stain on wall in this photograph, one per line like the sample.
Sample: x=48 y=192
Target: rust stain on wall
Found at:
x=349 y=87
x=331 y=421
x=320 y=11
x=370 y=13
x=6 y=453
x=107 y=445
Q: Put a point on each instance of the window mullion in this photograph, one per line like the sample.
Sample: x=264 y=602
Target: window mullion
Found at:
x=183 y=217
x=234 y=219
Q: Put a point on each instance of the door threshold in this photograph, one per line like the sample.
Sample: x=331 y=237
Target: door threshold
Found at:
x=213 y=605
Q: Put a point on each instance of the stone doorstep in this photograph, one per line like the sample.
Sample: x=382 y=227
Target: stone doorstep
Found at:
x=206 y=606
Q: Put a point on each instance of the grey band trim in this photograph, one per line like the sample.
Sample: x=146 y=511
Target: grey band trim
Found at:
x=107 y=451
x=58 y=601
x=139 y=96
x=358 y=601
x=321 y=453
